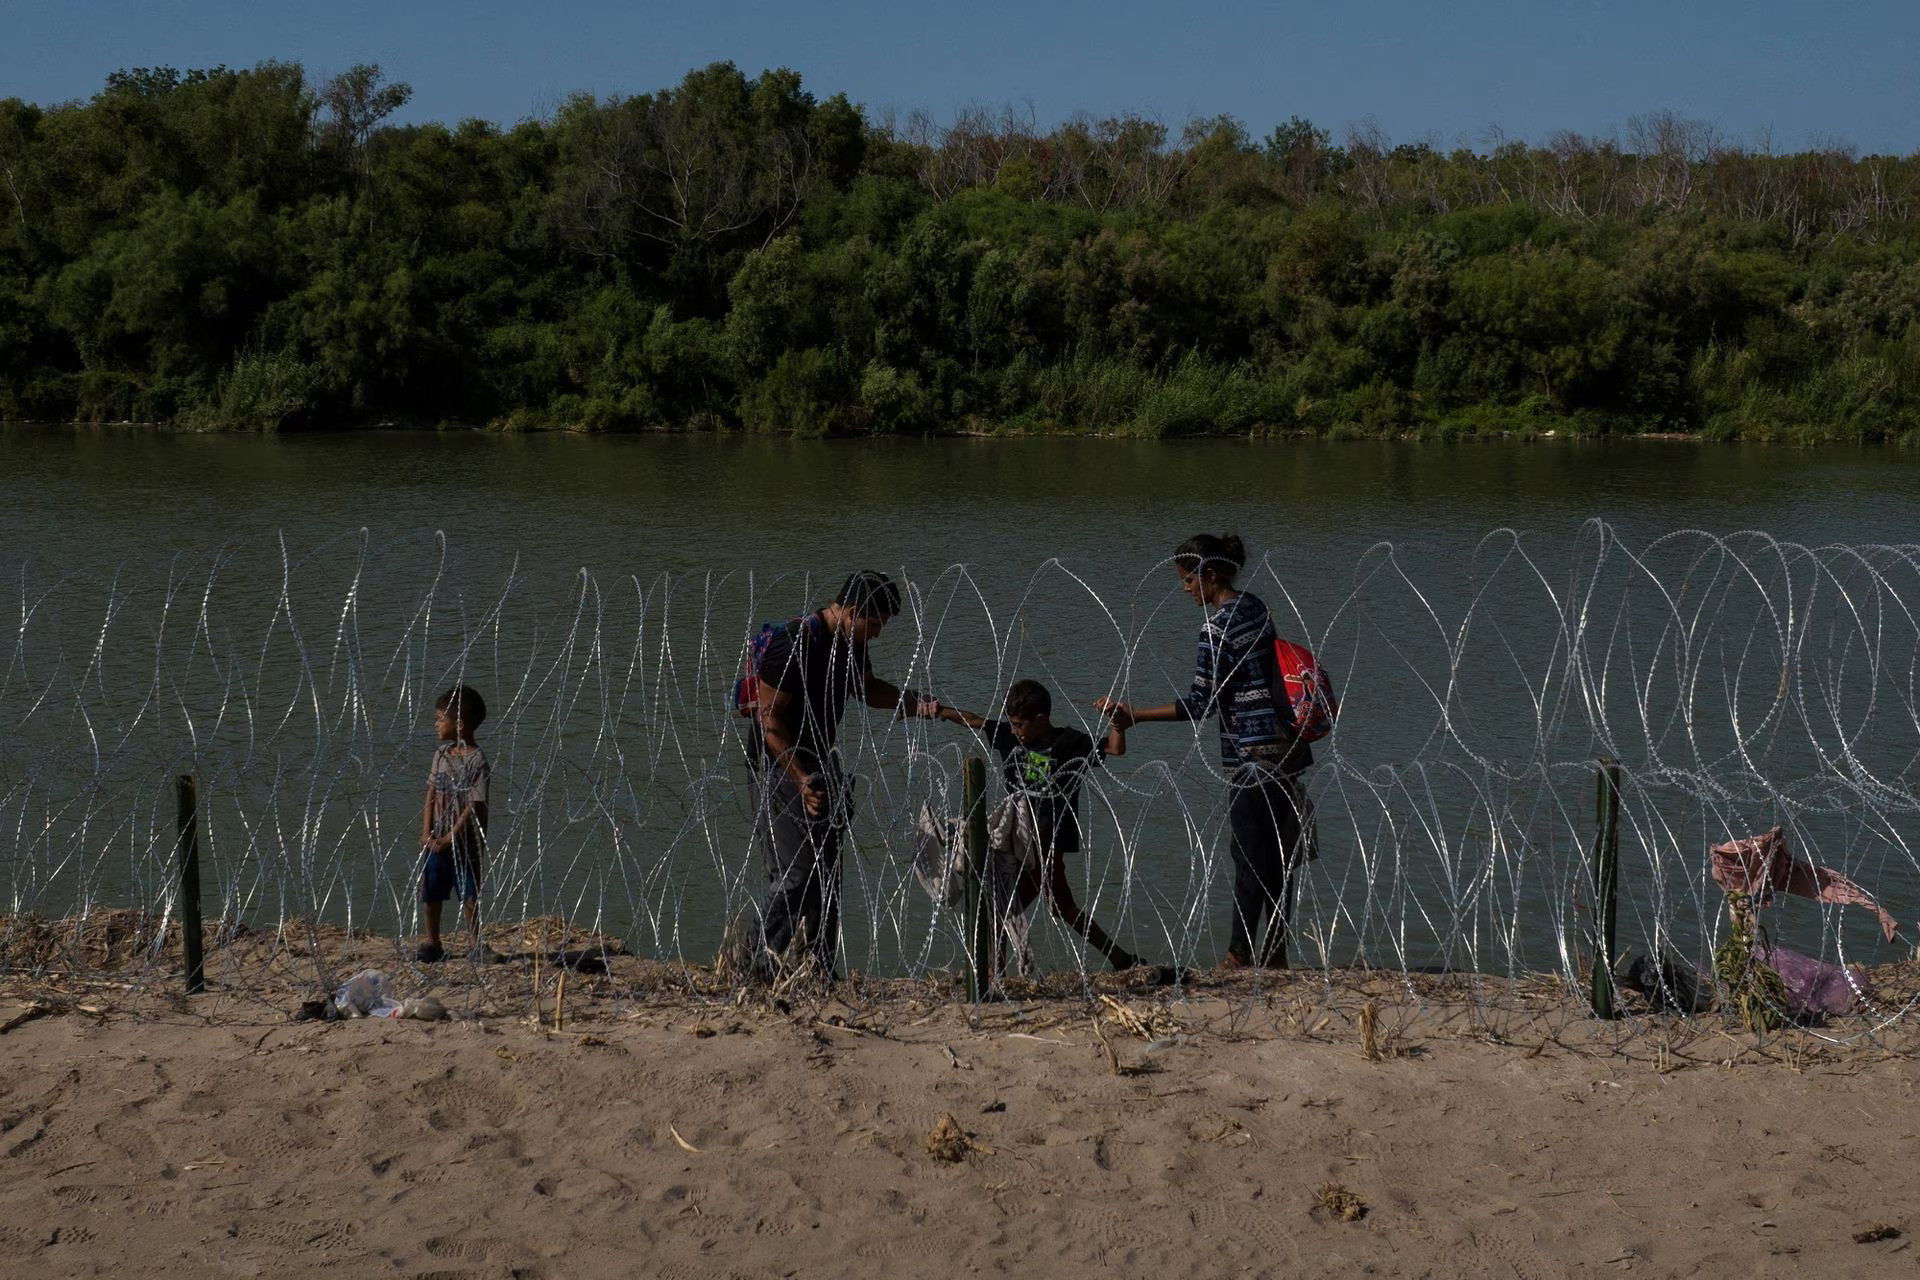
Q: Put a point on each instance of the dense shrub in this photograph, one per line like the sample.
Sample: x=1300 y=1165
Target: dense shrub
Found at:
x=241 y=249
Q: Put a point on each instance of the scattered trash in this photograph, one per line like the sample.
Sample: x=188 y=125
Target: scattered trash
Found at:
x=1815 y=986
x=1877 y=1232
x=364 y=995
x=316 y=1011
x=684 y=1144
x=941 y=864
x=939 y=857
x=1669 y=984
x=1337 y=1199
x=949 y=1142
x=1763 y=865
x=425 y=1008
x=1767 y=984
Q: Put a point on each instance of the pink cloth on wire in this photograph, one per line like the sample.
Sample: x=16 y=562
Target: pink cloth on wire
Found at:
x=1763 y=866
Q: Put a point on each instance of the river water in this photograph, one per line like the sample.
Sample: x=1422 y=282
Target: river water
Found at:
x=276 y=615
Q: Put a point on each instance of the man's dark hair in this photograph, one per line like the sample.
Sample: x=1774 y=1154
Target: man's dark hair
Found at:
x=468 y=707
x=1029 y=698
x=870 y=594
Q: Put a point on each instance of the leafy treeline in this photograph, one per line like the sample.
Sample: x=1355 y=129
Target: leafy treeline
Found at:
x=247 y=249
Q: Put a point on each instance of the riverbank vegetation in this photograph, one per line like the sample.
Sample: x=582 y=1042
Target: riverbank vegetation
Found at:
x=247 y=249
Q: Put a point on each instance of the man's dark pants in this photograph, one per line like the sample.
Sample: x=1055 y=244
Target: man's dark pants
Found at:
x=803 y=870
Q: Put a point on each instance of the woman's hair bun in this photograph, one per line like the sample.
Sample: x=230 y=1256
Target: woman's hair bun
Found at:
x=1222 y=556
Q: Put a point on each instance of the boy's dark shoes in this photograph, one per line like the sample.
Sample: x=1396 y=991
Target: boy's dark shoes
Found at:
x=1140 y=973
x=430 y=953
x=1162 y=975
x=481 y=953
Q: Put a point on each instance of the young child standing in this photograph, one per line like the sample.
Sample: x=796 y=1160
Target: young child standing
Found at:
x=453 y=824
x=1046 y=764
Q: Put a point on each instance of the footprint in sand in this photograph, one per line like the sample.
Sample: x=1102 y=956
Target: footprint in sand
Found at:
x=707 y=1225
x=130 y=1138
x=1095 y=1225
x=39 y=1139
x=267 y=1143
x=460 y=1101
x=1252 y=1223
x=685 y=1271
x=492 y=1254
x=312 y=1234
x=1480 y=1247
x=14 y=1241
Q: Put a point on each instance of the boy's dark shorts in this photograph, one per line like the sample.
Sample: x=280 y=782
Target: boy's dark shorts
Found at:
x=446 y=871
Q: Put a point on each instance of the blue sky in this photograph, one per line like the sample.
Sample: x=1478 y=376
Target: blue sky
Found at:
x=1806 y=72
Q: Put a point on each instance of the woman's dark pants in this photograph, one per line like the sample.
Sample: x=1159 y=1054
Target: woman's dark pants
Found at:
x=1266 y=833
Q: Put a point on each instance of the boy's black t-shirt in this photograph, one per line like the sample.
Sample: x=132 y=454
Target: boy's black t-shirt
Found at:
x=821 y=670
x=1050 y=777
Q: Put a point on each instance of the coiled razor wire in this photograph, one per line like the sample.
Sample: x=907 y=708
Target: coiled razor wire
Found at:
x=1740 y=681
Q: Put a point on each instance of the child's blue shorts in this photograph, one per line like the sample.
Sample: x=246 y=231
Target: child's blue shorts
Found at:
x=445 y=872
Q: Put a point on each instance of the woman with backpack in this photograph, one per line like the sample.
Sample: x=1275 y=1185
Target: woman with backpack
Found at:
x=1237 y=678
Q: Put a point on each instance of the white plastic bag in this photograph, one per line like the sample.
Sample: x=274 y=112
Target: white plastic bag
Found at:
x=1013 y=843
x=940 y=864
x=940 y=858
x=364 y=995
x=1013 y=838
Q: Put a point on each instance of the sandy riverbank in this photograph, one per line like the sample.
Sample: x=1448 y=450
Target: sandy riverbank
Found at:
x=666 y=1131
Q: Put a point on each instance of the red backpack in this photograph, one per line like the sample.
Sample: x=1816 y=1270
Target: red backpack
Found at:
x=1309 y=690
x=746 y=690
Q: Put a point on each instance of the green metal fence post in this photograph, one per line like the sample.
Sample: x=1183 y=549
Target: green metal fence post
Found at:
x=1606 y=885
x=982 y=951
x=191 y=942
